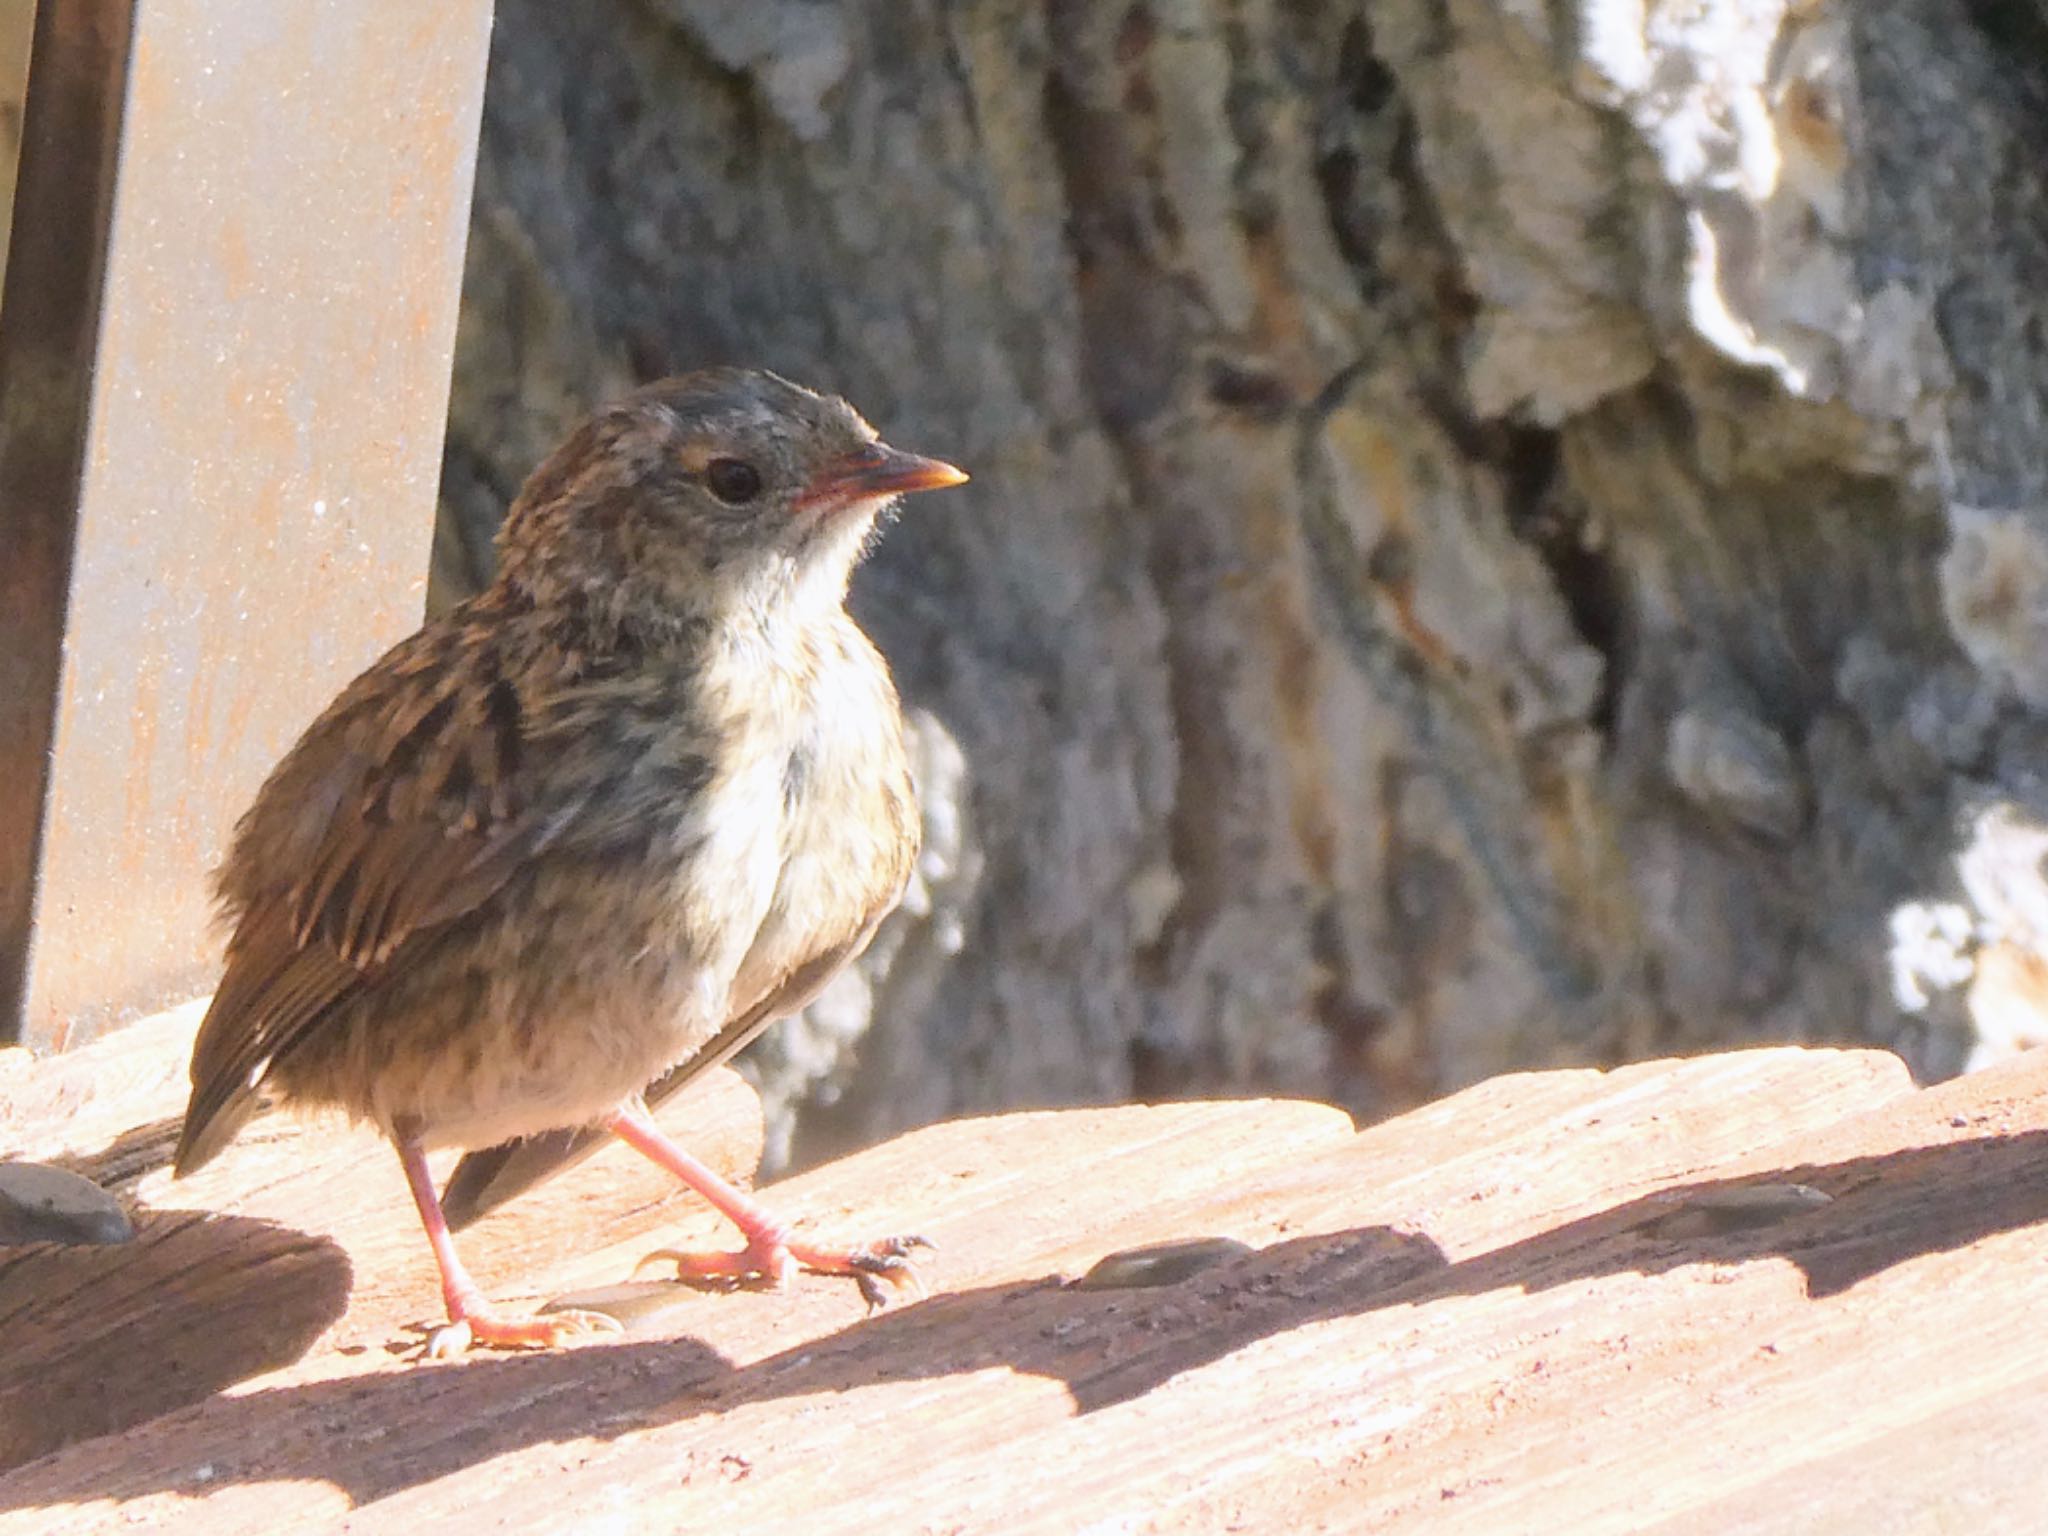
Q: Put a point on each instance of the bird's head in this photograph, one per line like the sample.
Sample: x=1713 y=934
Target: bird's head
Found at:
x=710 y=495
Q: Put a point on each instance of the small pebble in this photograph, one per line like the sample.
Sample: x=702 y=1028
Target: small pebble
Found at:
x=40 y=1204
x=1743 y=1208
x=1160 y=1263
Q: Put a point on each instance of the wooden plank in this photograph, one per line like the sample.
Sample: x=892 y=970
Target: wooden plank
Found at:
x=1482 y=1317
x=998 y=1206
x=300 y=1237
x=1961 y=1470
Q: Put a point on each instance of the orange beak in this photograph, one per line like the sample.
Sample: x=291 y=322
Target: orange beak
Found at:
x=870 y=473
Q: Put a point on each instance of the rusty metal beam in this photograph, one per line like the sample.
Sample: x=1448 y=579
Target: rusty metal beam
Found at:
x=49 y=327
x=225 y=339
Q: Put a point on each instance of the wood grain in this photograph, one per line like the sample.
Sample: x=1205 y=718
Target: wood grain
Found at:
x=300 y=1237
x=1482 y=1317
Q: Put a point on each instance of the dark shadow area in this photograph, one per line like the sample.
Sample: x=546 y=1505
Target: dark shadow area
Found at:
x=1107 y=1346
x=98 y=1339
x=129 y=1157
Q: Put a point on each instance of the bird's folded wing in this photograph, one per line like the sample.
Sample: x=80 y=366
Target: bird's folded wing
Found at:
x=392 y=826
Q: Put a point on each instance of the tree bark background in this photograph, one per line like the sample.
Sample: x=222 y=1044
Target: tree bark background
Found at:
x=1501 y=534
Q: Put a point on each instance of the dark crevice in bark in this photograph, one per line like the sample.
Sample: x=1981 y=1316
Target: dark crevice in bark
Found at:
x=1362 y=91
x=1381 y=210
x=1588 y=581
x=1355 y=1028
x=1457 y=733
x=1161 y=1071
x=1135 y=343
x=2018 y=29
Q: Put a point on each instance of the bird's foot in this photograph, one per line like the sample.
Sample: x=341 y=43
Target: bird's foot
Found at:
x=770 y=1258
x=474 y=1325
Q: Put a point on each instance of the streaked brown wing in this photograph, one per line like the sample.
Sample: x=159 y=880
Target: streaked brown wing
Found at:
x=400 y=811
x=273 y=990
x=487 y=1179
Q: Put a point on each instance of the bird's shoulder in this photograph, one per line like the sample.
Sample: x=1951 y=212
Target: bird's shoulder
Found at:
x=487 y=743
x=494 y=722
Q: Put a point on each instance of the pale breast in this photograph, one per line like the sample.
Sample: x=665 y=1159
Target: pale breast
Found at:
x=848 y=817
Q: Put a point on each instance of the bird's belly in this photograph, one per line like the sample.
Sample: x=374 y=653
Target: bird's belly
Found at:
x=567 y=1064
x=500 y=1046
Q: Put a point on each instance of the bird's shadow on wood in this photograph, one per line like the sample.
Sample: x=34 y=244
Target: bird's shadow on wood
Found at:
x=1107 y=1346
x=100 y=1338
x=123 y=1162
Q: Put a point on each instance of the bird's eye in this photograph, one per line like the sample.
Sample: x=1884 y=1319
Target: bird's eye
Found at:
x=733 y=481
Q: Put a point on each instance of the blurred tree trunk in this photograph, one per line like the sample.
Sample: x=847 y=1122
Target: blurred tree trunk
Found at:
x=1501 y=534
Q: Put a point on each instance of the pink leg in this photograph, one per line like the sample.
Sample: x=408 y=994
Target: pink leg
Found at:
x=471 y=1319
x=771 y=1254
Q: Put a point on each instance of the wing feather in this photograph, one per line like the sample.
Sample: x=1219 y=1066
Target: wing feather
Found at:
x=393 y=817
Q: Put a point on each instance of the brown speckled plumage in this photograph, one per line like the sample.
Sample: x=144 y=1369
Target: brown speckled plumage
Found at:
x=594 y=828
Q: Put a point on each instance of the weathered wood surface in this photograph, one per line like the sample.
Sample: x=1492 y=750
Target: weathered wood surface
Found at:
x=1510 y=1311
x=250 y=1263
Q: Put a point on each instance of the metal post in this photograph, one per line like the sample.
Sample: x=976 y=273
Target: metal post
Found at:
x=225 y=340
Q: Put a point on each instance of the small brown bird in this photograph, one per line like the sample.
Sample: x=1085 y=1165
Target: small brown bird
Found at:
x=591 y=830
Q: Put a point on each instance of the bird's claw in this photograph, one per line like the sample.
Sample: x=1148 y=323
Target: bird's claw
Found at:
x=885 y=1260
x=458 y=1335
x=772 y=1269
x=771 y=1263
